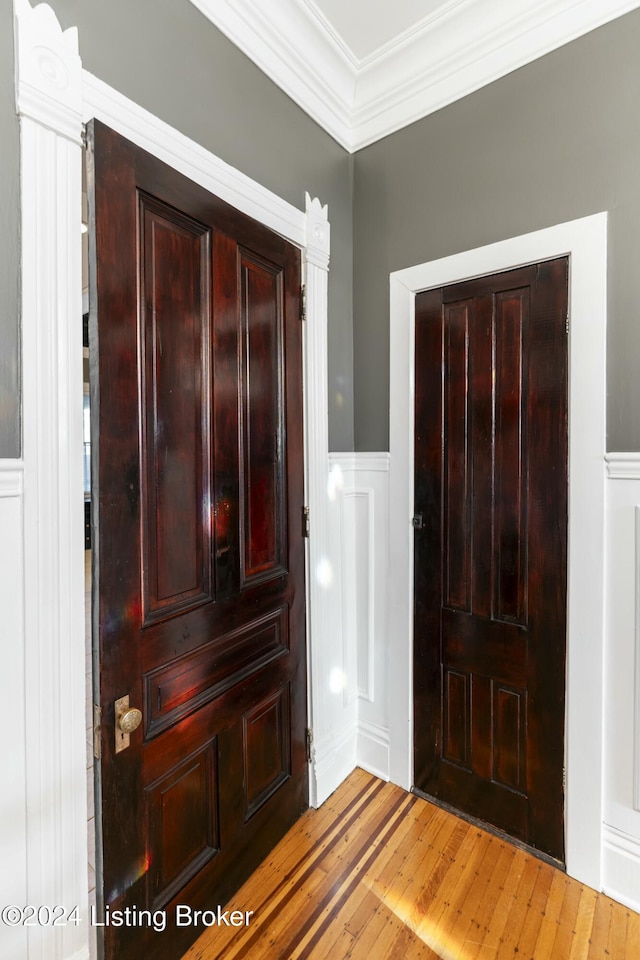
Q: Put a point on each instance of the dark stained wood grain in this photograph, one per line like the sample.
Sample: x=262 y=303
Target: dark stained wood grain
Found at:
x=490 y=561
x=263 y=518
x=457 y=468
x=175 y=313
x=199 y=558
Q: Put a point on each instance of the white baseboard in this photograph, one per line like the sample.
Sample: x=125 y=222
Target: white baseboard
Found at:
x=621 y=867
x=372 y=749
x=334 y=759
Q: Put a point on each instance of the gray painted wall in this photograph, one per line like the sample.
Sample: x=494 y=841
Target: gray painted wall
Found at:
x=557 y=140
x=166 y=56
x=9 y=255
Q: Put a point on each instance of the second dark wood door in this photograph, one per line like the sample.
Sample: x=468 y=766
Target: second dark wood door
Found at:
x=491 y=556
x=199 y=557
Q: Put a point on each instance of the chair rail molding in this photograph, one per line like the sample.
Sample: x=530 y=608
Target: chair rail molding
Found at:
x=623 y=466
x=585 y=241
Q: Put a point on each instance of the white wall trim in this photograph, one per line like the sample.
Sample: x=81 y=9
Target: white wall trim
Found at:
x=373 y=748
x=11 y=478
x=191 y=159
x=335 y=759
x=286 y=41
x=623 y=466
x=585 y=242
x=13 y=824
x=621 y=814
x=445 y=56
x=359 y=461
x=358 y=587
x=636 y=696
x=316 y=404
x=359 y=492
x=621 y=854
x=48 y=96
x=53 y=96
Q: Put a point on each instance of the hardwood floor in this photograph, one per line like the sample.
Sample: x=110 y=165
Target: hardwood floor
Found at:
x=379 y=873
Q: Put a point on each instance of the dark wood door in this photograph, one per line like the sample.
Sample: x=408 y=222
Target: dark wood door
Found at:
x=491 y=557
x=199 y=556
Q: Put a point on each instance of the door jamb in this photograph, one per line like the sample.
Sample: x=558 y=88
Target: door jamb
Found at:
x=585 y=242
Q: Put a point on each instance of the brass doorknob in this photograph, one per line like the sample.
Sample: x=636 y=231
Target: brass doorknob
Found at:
x=130 y=720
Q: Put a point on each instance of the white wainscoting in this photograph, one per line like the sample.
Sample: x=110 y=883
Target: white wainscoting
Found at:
x=13 y=819
x=362 y=645
x=359 y=494
x=621 y=828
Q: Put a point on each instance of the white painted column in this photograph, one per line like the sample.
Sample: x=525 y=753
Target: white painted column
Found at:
x=330 y=753
x=49 y=101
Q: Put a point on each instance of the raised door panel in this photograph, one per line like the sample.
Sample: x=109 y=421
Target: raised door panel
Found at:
x=457 y=467
x=197 y=389
x=490 y=456
x=183 y=828
x=175 y=311
x=263 y=483
x=510 y=451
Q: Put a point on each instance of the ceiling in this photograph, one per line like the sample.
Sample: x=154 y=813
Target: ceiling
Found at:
x=364 y=26
x=365 y=68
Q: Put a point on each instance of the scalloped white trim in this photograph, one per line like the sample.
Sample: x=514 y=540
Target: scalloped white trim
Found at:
x=52 y=95
x=51 y=690
x=458 y=49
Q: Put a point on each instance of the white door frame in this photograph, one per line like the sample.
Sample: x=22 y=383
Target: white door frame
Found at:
x=585 y=242
x=53 y=97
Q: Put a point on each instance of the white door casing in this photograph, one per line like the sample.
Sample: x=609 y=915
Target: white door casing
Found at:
x=585 y=242
x=54 y=96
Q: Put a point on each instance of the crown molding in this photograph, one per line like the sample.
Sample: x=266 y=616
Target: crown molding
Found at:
x=287 y=41
x=458 y=49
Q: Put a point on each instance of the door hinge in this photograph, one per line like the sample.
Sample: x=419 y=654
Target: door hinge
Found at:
x=303 y=302
x=567 y=323
x=97 y=724
x=417 y=522
x=309 y=743
x=305 y=521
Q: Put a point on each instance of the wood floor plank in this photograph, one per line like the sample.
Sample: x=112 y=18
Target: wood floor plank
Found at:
x=336 y=898
x=599 y=937
x=566 y=922
x=535 y=908
x=583 y=925
x=551 y=915
x=378 y=874
x=490 y=915
x=618 y=932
